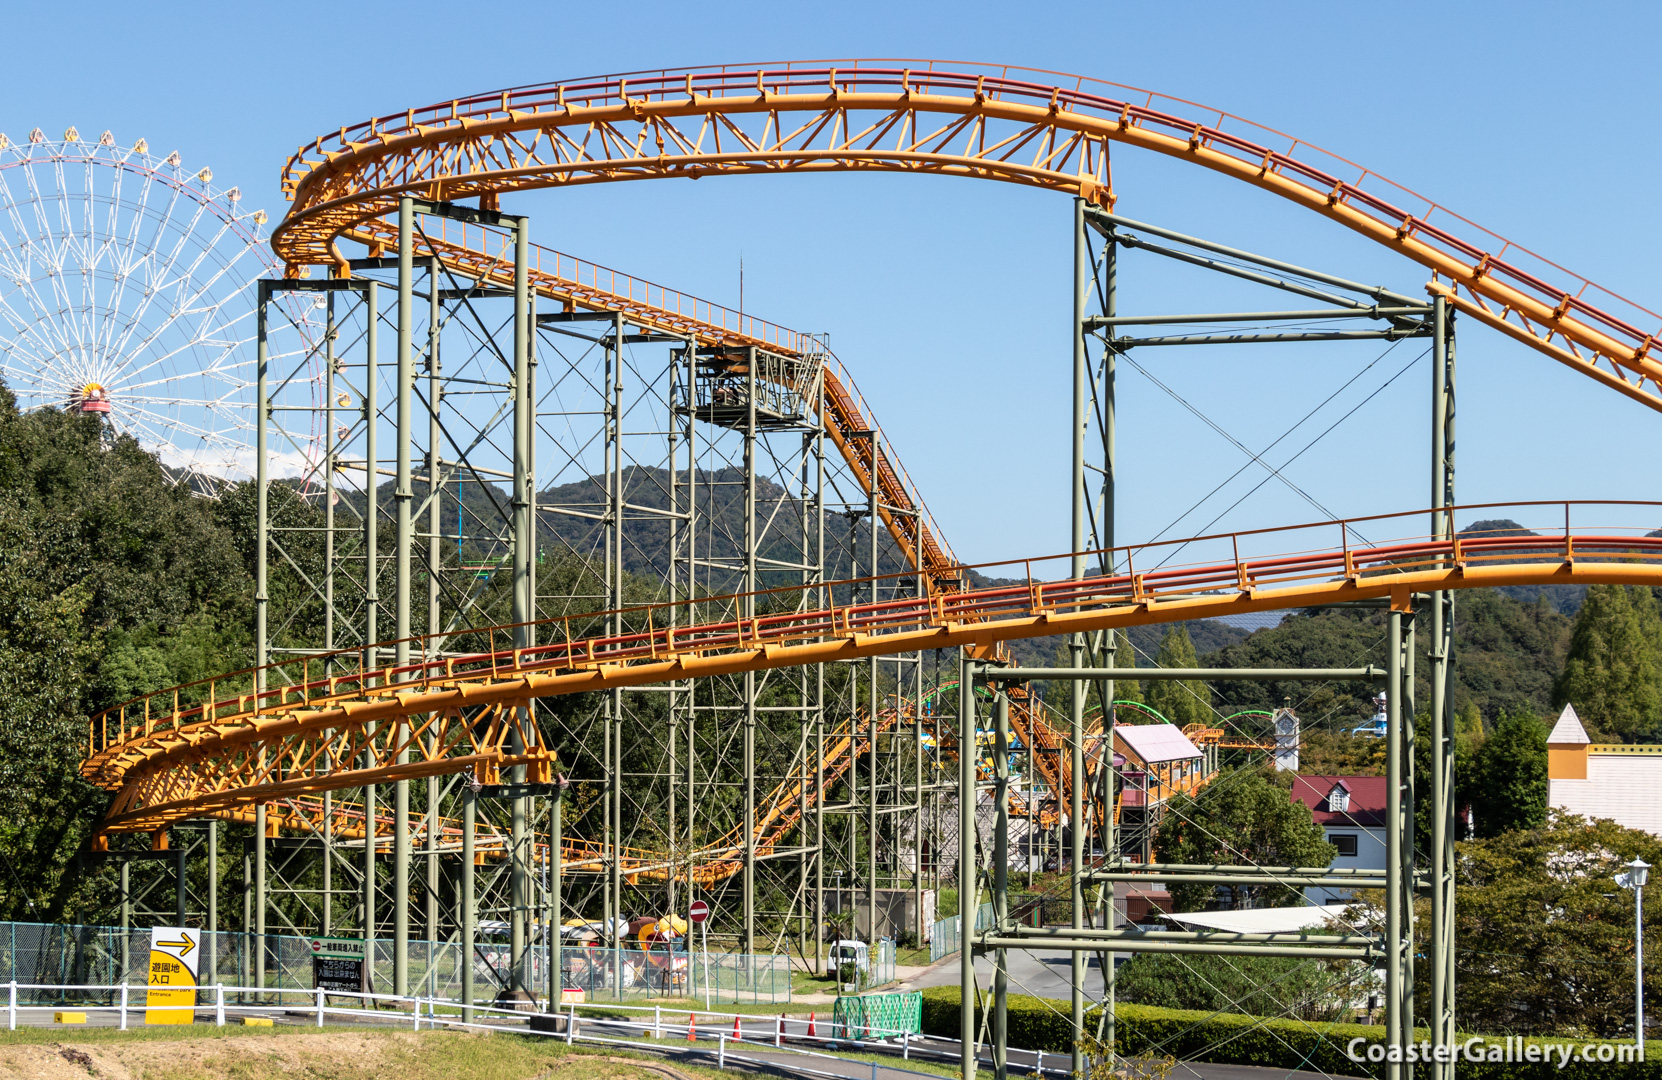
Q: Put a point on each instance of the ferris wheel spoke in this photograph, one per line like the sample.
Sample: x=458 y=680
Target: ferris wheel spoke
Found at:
x=128 y=273
x=161 y=358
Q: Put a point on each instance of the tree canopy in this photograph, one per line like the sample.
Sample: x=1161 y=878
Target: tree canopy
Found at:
x=1545 y=936
x=1182 y=703
x=1242 y=816
x=1509 y=790
x=115 y=579
x=1613 y=673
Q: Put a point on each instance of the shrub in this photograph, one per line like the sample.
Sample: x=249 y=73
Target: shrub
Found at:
x=1231 y=1039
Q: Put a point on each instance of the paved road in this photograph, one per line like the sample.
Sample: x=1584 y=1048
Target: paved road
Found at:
x=939 y=1051
x=1039 y=972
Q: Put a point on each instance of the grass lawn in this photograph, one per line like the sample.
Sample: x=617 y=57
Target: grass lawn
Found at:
x=200 y=1052
x=334 y=1053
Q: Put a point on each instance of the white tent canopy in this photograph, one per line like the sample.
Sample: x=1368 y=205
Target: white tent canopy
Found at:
x=1275 y=920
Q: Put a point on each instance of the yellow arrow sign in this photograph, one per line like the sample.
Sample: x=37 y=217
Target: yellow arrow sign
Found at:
x=184 y=946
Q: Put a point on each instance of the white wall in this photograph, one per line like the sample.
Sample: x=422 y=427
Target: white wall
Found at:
x=1370 y=855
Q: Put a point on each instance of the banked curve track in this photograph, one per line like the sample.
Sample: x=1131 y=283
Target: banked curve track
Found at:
x=1034 y=128
x=488 y=256
x=166 y=761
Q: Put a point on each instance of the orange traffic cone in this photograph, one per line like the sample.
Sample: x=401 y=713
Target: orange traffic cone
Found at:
x=692 y=1029
x=811 y=1032
x=738 y=1033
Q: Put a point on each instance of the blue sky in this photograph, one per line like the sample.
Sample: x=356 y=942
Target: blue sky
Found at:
x=949 y=300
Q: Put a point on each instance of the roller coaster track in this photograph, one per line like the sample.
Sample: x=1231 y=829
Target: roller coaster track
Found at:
x=487 y=255
x=776 y=816
x=1035 y=128
x=298 y=734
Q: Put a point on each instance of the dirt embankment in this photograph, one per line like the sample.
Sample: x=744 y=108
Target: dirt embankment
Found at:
x=327 y=1055
x=332 y=1055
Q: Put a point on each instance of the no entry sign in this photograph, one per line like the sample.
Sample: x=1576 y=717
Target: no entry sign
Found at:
x=698 y=912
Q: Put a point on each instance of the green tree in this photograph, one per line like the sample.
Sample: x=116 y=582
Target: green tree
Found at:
x=1125 y=657
x=114 y=580
x=1509 y=789
x=1545 y=935
x=1613 y=674
x=1254 y=985
x=1182 y=703
x=1243 y=817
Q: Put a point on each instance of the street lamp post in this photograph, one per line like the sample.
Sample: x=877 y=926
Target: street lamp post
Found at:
x=1638 y=872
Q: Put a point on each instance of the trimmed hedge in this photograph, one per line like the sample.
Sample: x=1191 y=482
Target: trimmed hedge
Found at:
x=1042 y=1024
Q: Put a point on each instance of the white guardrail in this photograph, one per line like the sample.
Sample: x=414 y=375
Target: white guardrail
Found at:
x=727 y=1028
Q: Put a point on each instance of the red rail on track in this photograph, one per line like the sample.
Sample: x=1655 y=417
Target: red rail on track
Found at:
x=159 y=724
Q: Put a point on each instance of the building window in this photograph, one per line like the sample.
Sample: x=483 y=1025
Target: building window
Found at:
x=1345 y=842
x=1338 y=800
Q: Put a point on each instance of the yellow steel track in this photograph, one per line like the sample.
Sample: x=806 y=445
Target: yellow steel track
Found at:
x=1034 y=128
x=236 y=750
x=487 y=255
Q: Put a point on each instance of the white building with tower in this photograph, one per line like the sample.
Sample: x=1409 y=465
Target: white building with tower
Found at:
x=1619 y=781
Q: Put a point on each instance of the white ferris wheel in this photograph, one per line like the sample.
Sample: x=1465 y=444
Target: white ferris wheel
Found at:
x=127 y=288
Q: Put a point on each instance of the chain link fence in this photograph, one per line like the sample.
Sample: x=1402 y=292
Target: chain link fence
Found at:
x=944 y=935
x=68 y=955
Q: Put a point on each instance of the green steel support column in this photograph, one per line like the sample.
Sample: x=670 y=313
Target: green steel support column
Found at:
x=262 y=417
x=1001 y=883
x=873 y=794
x=968 y=891
x=524 y=603
x=402 y=495
x=209 y=963
x=1398 y=853
x=917 y=772
x=329 y=465
x=1442 y=698
x=1031 y=775
x=1110 y=455
x=327 y=928
x=262 y=652
x=689 y=357
x=369 y=897
x=673 y=900
x=181 y=866
x=258 y=959
x=435 y=526
x=1076 y=711
x=614 y=601
x=127 y=916
x=470 y=807
x=432 y=877
x=1410 y=787
x=556 y=895
x=749 y=609
x=1441 y=955
x=819 y=680
x=805 y=578
x=372 y=590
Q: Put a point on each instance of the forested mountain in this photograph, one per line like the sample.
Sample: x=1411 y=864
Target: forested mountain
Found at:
x=1507 y=655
